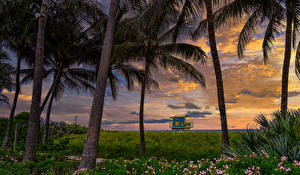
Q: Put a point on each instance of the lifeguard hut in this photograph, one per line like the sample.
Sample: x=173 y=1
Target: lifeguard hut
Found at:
x=179 y=123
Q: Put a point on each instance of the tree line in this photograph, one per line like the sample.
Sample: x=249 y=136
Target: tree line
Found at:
x=77 y=45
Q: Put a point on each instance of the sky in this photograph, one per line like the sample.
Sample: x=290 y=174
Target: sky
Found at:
x=250 y=87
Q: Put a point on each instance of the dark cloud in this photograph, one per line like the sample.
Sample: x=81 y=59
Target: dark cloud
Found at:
x=263 y=94
x=147 y=121
x=176 y=107
x=174 y=80
x=129 y=122
x=135 y=113
x=186 y=106
x=191 y=106
x=294 y=93
x=254 y=94
x=231 y=101
x=197 y=114
x=158 y=121
x=107 y=122
x=267 y=94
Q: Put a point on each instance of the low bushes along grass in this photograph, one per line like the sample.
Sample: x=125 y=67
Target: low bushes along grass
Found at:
x=47 y=164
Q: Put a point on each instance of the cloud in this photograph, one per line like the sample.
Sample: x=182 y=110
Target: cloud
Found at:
x=265 y=93
x=231 y=101
x=176 y=107
x=191 y=106
x=146 y=121
x=294 y=93
x=135 y=113
x=197 y=114
x=107 y=122
x=186 y=106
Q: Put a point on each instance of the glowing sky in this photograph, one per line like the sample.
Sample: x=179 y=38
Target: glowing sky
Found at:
x=250 y=88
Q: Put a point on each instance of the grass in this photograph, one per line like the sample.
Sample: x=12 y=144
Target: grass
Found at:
x=170 y=145
x=167 y=153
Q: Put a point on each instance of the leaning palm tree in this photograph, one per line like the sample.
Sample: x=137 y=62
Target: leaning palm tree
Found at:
x=18 y=22
x=34 y=121
x=277 y=16
x=152 y=46
x=91 y=144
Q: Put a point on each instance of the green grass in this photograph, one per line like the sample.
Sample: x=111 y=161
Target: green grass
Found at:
x=170 y=145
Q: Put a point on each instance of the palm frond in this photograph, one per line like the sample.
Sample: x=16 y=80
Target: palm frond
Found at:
x=168 y=61
x=297 y=61
x=249 y=30
x=185 y=51
x=273 y=29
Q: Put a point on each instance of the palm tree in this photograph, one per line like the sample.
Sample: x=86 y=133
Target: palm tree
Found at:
x=34 y=121
x=18 y=23
x=218 y=71
x=276 y=14
x=91 y=144
x=189 y=13
x=152 y=45
x=5 y=77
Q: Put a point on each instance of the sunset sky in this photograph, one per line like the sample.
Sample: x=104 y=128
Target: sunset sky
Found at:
x=250 y=88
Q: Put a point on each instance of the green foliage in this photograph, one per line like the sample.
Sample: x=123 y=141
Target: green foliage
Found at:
x=279 y=135
x=10 y=163
x=22 y=119
x=181 y=146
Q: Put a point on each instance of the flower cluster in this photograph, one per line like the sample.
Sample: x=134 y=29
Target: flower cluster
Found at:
x=253 y=171
x=280 y=165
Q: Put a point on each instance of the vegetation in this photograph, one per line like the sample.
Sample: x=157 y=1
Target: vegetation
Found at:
x=5 y=77
x=82 y=48
x=281 y=135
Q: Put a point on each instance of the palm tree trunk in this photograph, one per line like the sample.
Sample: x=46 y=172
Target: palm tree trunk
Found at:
x=47 y=97
x=287 y=57
x=55 y=85
x=142 y=132
x=14 y=105
x=91 y=144
x=35 y=109
x=218 y=72
x=46 y=132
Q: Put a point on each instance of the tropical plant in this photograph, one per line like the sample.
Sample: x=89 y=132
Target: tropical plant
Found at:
x=34 y=121
x=151 y=45
x=274 y=17
x=217 y=67
x=5 y=77
x=188 y=15
x=280 y=135
x=89 y=154
x=17 y=25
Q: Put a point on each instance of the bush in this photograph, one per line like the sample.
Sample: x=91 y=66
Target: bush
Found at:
x=281 y=136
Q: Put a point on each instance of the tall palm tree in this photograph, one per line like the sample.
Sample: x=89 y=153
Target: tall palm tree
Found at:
x=18 y=22
x=189 y=13
x=152 y=46
x=34 y=121
x=279 y=16
x=91 y=144
x=218 y=71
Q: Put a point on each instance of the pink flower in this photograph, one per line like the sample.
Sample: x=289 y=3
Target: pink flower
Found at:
x=296 y=163
x=283 y=158
x=225 y=166
x=218 y=171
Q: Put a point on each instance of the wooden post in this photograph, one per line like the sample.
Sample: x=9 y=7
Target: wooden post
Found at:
x=16 y=135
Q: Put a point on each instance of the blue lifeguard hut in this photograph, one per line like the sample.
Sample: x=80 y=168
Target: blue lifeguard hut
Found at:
x=179 y=123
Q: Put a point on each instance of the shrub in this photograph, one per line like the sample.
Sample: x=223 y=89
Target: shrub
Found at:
x=281 y=136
